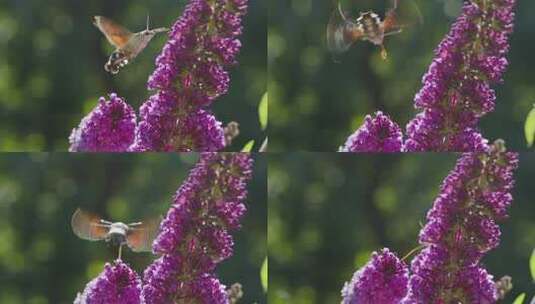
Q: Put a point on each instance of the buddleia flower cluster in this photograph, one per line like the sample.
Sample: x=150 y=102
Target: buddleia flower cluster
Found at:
x=382 y=280
x=195 y=235
x=462 y=226
x=191 y=73
x=117 y=283
x=377 y=134
x=457 y=88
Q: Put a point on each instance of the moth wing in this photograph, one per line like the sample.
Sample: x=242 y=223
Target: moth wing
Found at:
x=341 y=33
x=403 y=16
x=140 y=237
x=136 y=44
x=88 y=226
x=391 y=24
x=116 y=34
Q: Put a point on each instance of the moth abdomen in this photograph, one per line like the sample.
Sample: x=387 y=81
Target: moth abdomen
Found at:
x=117 y=239
x=117 y=60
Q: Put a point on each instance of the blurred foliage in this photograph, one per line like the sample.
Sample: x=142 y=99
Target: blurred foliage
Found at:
x=520 y=299
x=316 y=103
x=42 y=261
x=264 y=274
x=328 y=212
x=529 y=127
x=248 y=146
x=52 y=59
x=532 y=265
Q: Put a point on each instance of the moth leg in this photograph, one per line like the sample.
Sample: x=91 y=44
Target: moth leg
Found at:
x=384 y=53
x=101 y=225
x=394 y=32
x=120 y=251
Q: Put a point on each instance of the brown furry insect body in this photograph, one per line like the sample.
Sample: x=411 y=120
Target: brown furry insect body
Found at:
x=343 y=32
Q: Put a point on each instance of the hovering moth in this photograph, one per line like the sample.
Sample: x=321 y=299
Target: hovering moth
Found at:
x=343 y=32
x=138 y=236
x=128 y=45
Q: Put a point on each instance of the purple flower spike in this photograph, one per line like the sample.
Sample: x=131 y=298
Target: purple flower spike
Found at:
x=457 y=89
x=108 y=128
x=160 y=130
x=195 y=235
x=190 y=74
x=382 y=281
x=117 y=284
x=378 y=134
x=462 y=227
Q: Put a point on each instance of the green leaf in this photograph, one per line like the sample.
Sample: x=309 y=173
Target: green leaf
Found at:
x=248 y=146
x=264 y=274
x=520 y=299
x=532 y=265
x=529 y=128
x=263 y=111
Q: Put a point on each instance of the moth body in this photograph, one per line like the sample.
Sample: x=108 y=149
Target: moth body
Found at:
x=128 y=45
x=372 y=26
x=117 y=234
x=343 y=32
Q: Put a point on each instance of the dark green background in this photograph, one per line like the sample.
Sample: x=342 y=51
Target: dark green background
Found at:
x=52 y=59
x=328 y=212
x=315 y=103
x=42 y=261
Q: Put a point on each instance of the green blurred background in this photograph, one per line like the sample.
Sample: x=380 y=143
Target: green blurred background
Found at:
x=328 y=212
x=52 y=68
x=42 y=261
x=316 y=103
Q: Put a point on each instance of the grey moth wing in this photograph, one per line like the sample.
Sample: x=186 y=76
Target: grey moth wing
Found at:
x=88 y=226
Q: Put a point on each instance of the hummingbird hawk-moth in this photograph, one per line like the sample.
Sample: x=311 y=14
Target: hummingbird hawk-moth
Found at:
x=343 y=32
x=128 y=45
x=137 y=236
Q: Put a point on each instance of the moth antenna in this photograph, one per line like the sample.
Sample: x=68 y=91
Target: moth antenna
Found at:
x=340 y=11
x=418 y=12
x=148 y=20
